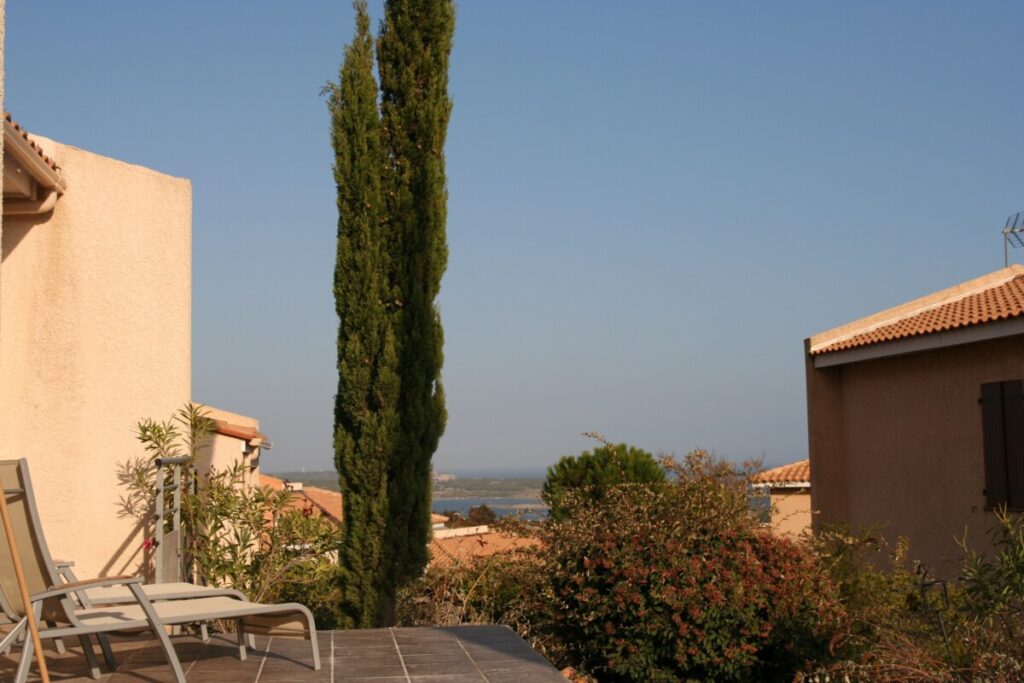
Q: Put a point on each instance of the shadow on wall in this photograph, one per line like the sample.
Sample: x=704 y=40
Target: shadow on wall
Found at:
x=15 y=228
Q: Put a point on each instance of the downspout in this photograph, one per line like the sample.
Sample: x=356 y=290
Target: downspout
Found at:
x=28 y=207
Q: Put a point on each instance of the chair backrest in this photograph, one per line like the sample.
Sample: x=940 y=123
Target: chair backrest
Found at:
x=37 y=564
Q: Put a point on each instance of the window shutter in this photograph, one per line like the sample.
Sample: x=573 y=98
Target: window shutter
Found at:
x=995 y=443
x=1013 y=429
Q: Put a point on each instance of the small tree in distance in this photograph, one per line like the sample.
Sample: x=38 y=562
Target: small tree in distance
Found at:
x=592 y=473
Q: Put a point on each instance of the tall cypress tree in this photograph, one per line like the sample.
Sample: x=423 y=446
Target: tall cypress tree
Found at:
x=366 y=406
x=413 y=49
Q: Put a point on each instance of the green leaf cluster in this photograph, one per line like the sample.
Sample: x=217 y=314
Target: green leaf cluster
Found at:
x=592 y=473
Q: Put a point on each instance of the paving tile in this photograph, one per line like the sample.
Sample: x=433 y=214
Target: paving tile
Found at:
x=436 y=664
x=501 y=665
x=538 y=675
x=363 y=666
x=363 y=651
x=427 y=648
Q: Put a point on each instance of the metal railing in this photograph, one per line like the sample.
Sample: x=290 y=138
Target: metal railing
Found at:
x=167 y=542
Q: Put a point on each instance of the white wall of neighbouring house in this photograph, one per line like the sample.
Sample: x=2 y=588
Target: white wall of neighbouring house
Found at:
x=95 y=334
x=227 y=447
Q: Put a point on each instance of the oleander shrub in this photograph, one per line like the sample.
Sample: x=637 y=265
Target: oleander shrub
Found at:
x=675 y=580
x=233 y=533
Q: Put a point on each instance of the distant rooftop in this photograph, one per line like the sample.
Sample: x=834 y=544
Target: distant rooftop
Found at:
x=795 y=474
x=326 y=503
x=459 y=549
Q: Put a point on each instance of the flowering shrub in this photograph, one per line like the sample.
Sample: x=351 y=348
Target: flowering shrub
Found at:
x=676 y=581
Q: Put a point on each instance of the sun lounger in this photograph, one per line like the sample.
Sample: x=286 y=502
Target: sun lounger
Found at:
x=61 y=615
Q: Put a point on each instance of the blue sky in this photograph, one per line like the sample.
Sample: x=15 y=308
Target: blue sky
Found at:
x=651 y=204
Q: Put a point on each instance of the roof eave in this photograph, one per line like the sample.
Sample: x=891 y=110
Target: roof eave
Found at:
x=22 y=150
x=924 y=342
x=823 y=340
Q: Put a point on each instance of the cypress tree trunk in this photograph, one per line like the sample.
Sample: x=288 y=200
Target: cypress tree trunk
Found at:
x=366 y=406
x=412 y=55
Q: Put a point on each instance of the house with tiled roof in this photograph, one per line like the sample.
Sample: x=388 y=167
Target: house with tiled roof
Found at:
x=788 y=491
x=479 y=543
x=916 y=417
x=312 y=499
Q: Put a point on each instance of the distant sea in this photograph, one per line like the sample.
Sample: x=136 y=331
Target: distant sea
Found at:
x=497 y=473
x=501 y=506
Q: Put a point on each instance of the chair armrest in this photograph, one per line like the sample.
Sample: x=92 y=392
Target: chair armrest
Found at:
x=58 y=591
x=64 y=569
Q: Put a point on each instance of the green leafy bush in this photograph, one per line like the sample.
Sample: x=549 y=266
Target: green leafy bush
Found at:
x=591 y=474
x=675 y=580
x=908 y=627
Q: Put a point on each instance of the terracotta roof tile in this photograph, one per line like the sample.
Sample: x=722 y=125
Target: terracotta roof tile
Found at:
x=329 y=502
x=326 y=503
x=995 y=297
x=794 y=472
x=32 y=143
x=447 y=551
x=272 y=482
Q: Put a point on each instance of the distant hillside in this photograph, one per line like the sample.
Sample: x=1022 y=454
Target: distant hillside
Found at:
x=488 y=487
x=459 y=487
x=323 y=480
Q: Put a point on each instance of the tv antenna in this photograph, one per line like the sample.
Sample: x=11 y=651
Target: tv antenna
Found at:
x=1013 y=234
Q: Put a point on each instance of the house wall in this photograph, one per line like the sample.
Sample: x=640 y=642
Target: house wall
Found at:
x=898 y=441
x=95 y=331
x=791 y=511
x=224 y=451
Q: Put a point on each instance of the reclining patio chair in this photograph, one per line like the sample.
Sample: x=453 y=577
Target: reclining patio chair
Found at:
x=60 y=608
x=116 y=595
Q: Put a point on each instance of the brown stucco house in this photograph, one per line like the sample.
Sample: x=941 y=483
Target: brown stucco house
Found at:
x=916 y=417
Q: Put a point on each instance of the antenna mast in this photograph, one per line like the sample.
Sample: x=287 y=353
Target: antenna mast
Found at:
x=1013 y=234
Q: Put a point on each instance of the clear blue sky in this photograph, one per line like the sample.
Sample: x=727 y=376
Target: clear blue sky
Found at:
x=651 y=204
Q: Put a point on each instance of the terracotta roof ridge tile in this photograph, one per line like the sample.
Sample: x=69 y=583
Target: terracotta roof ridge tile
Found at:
x=824 y=342
x=31 y=143
x=798 y=472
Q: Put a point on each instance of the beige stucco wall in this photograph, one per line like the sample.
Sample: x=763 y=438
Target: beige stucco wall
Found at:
x=95 y=331
x=224 y=451
x=791 y=511
x=898 y=441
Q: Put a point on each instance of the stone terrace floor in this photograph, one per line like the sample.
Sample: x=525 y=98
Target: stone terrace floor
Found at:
x=457 y=654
